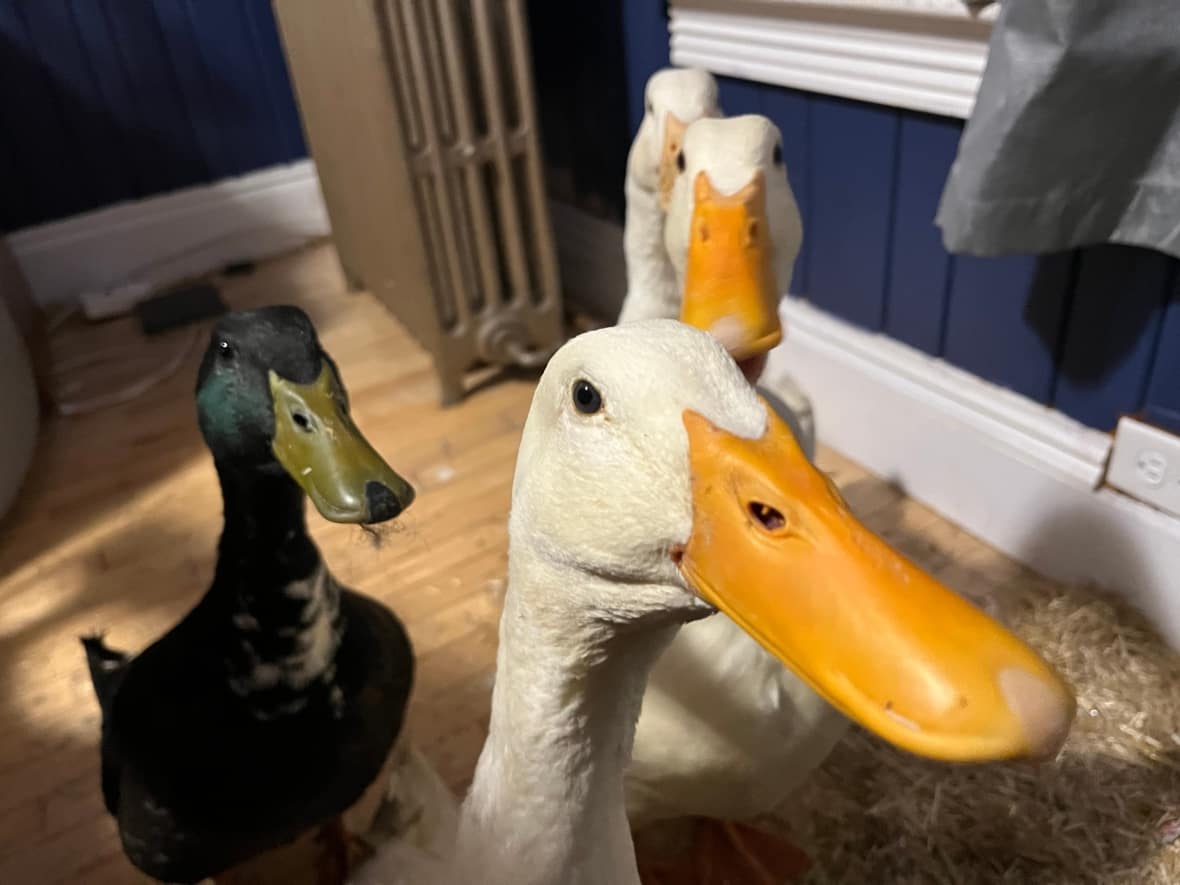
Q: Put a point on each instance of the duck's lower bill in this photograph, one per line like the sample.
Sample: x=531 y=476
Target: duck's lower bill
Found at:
x=775 y=547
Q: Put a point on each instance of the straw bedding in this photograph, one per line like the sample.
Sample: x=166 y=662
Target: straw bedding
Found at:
x=1106 y=811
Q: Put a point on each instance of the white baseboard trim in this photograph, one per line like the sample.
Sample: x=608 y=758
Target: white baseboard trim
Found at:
x=907 y=67
x=1019 y=476
x=170 y=237
x=955 y=10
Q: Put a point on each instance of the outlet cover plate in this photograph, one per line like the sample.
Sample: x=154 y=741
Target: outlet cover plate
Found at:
x=1145 y=464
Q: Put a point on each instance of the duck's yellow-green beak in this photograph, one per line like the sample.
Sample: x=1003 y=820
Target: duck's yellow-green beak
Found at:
x=775 y=547
x=730 y=288
x=669 y=152
x=318 y=445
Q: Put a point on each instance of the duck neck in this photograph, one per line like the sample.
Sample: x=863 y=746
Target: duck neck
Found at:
x=273 y=601
x=263 y=514
x=652 y=292
x=263 y=509
x=547 y=805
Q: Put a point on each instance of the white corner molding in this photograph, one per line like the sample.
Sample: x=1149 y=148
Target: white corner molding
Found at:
x=166 y=238
x=922 y=69
x=951 y=9
x=1021 y=477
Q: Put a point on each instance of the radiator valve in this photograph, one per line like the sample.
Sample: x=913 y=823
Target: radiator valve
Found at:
x=504 y=341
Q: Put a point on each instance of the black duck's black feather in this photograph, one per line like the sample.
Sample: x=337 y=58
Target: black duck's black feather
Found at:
x=107 y=670
x=205 y=785
x=106 y=667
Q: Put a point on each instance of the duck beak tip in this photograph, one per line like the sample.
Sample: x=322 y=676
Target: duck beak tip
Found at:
x=1045 y=709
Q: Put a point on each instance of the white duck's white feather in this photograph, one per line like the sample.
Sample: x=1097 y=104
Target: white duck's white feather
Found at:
x=598 y=504
x=652 y=291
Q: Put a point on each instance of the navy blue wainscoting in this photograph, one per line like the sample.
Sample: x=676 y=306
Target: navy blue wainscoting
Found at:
x=1094 y=333
x=739 y=97
x=1161 y=403
x=109 y=100
x=645 y=50
x=1111 y=335
x=1004 y=319
x=920 y=269
x=854 y=162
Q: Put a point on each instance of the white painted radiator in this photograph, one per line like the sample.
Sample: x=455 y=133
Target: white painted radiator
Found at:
x=422 y=120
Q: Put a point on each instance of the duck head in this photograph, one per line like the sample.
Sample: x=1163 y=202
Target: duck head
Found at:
x=647 y=460
x=733 y=233
x=673 y=98
x=270 y=400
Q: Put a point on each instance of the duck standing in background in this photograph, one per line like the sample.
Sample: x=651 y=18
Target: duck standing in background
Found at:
x=673 y=99
x=732 y=234
x=274 y=704
x=727 y=733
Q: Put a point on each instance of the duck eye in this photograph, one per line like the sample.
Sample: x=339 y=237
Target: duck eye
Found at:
x=224 y=349
x=777 y=157
x=680 y=160
x=587 y=399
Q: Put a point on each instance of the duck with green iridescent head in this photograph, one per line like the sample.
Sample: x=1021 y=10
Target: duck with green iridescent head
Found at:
x=271 y=707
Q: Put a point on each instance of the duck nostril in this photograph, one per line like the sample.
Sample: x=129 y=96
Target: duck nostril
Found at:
x=383 y=503
x=302 y=421
x=770 y=519
x=752 y=232
x=703 y=232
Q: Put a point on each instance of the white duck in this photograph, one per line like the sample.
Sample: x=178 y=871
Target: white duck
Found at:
x=733 y=232
x=727 y=732
x=673 y=99
x=653 y=488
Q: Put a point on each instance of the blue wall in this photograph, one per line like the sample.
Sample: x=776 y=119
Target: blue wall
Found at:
x=110 y=100
x=1094 y=333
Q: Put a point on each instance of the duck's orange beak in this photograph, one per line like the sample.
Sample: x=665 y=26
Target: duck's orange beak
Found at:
x=730 y=289
x=775 y=547
x=669 y=152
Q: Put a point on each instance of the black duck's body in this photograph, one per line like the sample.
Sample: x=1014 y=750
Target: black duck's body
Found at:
x=266 y=712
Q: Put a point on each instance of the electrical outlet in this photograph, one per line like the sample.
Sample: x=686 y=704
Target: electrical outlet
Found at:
x=1145 y=463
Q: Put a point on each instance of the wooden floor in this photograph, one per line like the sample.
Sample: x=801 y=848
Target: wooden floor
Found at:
x=116 y=527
